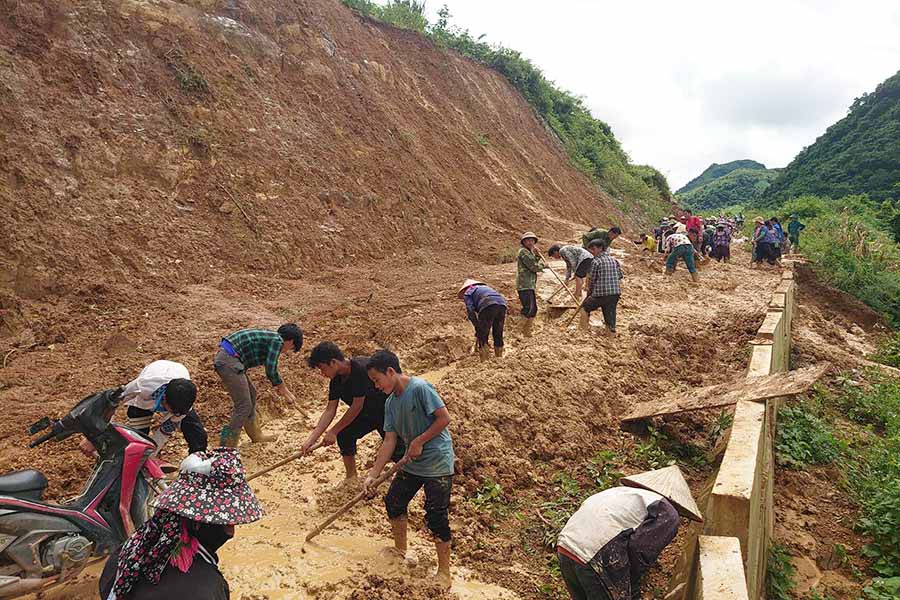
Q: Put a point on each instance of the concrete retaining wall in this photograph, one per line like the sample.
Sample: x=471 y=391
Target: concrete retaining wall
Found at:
x=739 y=521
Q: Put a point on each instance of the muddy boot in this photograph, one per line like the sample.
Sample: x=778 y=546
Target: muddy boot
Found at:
x=484 y=353
x=584 y=320
x=528 y=327
x=498 y=351
x=229 y=438
x=253 y=429
x=696 y=277
x=669 y=271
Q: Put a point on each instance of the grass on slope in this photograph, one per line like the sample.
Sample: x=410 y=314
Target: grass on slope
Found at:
x=715 y=171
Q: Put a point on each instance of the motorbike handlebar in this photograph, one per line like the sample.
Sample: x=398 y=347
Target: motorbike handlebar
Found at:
x=46 y=437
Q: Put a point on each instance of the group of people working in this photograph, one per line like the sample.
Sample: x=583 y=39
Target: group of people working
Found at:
x=604 y=549
x=174 y=553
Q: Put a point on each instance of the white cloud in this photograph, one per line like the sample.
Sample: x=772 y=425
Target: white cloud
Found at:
x=685 y=84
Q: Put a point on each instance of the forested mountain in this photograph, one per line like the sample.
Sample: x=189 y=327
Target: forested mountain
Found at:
x=714 y=171
x=860 y=154
x=736 y=187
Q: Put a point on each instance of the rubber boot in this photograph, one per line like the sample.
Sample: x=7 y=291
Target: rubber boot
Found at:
x=253 y=429
x=528 y=327
x=584 y=320
x=484 y=353
x=696 y=277
x=498 y=351
x=229 y=438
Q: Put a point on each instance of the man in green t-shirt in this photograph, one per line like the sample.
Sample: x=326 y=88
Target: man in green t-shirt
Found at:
x=603 y=235
x=415 y=414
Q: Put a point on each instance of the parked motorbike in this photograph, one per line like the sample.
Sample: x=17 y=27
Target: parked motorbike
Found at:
x=43 y=544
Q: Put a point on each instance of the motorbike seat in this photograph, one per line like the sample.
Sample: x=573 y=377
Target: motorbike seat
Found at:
x=27 y=485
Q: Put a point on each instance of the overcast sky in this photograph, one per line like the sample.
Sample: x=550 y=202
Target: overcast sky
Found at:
x=685 y=84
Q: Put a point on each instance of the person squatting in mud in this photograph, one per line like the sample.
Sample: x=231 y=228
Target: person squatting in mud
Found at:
x=350 y=384
x=415 y=414
x=163 y=388
x=246 y=349
x=486 y=310
x=578 y=263
x=605 y=288
x=173 y=554
x=529 y=264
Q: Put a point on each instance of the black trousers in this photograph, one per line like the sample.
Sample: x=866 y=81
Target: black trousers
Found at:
x=607 y=304
x=360 y=428
x=491 y=320
x=529 y=303
x=191 y=427
x=437 y=500
x=582 y=581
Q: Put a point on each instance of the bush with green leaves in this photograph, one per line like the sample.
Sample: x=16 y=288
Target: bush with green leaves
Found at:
x=779 y=574
x=882 y=589
x=804 y=439
x=590 y=142
x=889 y=351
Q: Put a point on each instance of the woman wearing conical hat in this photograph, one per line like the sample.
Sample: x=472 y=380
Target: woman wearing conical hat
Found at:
x=615 y=536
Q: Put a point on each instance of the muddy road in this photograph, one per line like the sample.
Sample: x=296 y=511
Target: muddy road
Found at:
x=545 y=408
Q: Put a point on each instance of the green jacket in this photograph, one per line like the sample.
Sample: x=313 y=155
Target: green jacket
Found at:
x=594 y=234
x=529 y=265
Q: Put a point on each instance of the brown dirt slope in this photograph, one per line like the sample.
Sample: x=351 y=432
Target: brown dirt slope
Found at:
x=150 y=141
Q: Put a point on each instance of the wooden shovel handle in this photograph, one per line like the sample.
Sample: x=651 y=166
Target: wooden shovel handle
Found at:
x=281 y=463
x=356 y=499
x=558 y=278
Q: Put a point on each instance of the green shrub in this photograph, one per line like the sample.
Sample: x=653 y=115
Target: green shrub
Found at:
x=873 y=469
x=779 y=574
x=882 y=589
x=804 y=439
x=889 y=351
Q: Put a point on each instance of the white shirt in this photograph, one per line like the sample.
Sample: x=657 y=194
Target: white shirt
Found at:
x=602 y=517
x=138 y=393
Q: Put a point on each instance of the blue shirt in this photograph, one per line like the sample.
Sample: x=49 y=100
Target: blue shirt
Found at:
x=409 y=415
x=479 y=297
x=157 y=397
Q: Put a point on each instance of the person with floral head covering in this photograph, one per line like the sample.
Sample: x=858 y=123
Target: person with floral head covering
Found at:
x=173 y=555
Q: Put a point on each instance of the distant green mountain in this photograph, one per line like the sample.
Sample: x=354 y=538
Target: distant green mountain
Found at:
x=860 y=154
x=714 y=171
x=736 y=187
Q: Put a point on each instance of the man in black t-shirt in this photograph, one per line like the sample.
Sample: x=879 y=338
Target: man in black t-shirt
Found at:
x=350 y=384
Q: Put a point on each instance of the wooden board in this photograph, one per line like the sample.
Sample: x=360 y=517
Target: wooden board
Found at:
x=755 y=389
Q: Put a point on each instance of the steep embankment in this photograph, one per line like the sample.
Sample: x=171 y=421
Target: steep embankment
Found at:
x=729 y=184
x=860 y=154
x=153 y=143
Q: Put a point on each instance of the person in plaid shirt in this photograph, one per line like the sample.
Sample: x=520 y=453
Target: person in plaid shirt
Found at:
x=604 y=290
x=246 y=349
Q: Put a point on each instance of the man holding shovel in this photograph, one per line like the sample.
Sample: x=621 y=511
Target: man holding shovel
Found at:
x=415 y=414
x=350 y=384
x=578 y=263
x=529 y=264
x=605 y=288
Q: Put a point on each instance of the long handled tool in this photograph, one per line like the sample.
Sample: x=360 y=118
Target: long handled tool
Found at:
x=577 y=311
x=356 y=499
x=557 y=277
x=553 y=295
x=281 y=463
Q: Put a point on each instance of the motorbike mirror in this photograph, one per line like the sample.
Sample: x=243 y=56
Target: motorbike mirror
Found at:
x=38 y=426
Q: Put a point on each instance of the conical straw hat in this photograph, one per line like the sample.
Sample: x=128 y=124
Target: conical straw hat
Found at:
x=467 y=284
x=668 y=482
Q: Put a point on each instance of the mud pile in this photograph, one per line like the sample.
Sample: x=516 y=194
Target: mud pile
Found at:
x=149 y=144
